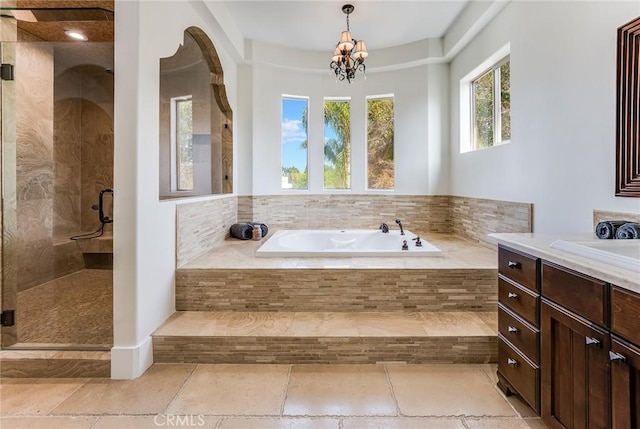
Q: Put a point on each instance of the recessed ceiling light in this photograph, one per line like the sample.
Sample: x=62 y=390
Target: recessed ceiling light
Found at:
x=76 y=35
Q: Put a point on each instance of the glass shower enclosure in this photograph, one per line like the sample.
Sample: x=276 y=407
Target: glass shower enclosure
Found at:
x=56 y=106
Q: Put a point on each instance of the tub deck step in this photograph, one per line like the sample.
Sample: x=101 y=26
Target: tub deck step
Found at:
x=327 y=337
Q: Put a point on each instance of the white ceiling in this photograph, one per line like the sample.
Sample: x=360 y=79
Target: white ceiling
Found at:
x=316 y=25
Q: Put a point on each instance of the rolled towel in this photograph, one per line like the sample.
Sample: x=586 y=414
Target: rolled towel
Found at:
x=263 y=227
x=241 y=230
x=607 y=229
x=630 y=230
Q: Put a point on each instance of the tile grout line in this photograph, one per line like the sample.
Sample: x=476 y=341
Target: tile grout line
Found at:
x=501 y=393
x=86 y=380
x=463 y=420
x=184 y=383
x=95 y=423
x=393 y=393
x=286 y=390
x=219 y=422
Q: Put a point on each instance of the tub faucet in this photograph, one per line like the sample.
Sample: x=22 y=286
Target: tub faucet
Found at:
x=400 y=225
x=384 y=227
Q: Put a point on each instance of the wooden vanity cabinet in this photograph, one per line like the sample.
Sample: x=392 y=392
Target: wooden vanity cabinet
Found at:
x=518 y=325
x=624 y=359
x=625 y=384
x=574 y=349
x=575 y=370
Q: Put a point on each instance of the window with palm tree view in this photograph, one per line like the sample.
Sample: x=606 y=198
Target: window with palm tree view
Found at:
x=294 y=142
x=337 y=144
x=182 y=112
x=492 y=107
x=380 y=166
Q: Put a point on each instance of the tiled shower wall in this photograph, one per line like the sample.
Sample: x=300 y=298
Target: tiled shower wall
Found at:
x=83 y=150
x=34 y=184
x=202 y=225
x=64 y=156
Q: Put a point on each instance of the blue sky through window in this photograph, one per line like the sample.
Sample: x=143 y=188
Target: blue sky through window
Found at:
x=293 y=133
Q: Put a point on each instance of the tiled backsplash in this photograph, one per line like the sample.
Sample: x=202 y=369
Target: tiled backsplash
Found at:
x=202 y=225
x=601 y=215
x=474 y=218
x=418 y=212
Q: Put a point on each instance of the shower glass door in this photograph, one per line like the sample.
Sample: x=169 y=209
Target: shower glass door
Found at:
x=57 y=157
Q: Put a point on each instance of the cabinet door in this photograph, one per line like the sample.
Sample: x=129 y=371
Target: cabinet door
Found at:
x=625 y=385
x=575 y=371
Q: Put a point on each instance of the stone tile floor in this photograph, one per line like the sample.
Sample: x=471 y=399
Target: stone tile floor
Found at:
x=270 y=396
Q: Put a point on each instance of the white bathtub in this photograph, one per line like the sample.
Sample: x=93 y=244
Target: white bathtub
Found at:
x=347 y=243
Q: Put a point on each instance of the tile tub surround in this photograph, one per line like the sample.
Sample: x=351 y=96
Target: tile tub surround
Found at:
x=418 y=212
x=325 y=337
x=309 y=289
x=475 y=218
x=231 y=278
x=203 y=225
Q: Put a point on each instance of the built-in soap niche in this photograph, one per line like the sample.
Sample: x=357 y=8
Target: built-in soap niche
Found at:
x=196 y=121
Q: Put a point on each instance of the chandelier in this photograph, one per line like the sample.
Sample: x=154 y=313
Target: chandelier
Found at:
x=349 y=54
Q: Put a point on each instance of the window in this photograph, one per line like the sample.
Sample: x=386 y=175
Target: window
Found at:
x=491 y=107
x=337 y=144
x=182 y=143
x=295 y=113
x=380 y=128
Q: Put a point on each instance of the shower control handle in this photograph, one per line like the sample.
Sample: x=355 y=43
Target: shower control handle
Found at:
x=103 y=219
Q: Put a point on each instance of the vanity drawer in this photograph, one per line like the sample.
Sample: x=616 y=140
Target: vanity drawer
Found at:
x=625 y=314
x=583 y=295
x=519 y=300
x=519 y=372
x=519 y=333
x=520 y=268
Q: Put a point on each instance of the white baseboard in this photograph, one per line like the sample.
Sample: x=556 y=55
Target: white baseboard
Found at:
x=131 y=362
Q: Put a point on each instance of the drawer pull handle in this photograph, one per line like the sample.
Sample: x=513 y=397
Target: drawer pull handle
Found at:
x=513 y=264
x=512 y=330
x=590 y=341
x=512 y=362
x=512 y=295
x=617 y=357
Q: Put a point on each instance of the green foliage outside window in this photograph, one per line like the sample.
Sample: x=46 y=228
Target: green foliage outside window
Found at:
x=484 y=99
x=184 y=146
x=337 y=150
x=380 y=138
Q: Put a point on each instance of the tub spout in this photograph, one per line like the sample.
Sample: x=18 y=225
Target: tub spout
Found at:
x=384 y=227
x=400 y=225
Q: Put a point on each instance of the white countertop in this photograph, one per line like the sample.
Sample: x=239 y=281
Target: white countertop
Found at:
x=539 y=245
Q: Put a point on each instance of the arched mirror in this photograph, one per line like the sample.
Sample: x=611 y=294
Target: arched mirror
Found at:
x=196 y=133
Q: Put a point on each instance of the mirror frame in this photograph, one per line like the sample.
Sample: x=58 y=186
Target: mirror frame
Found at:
x=628 y=113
